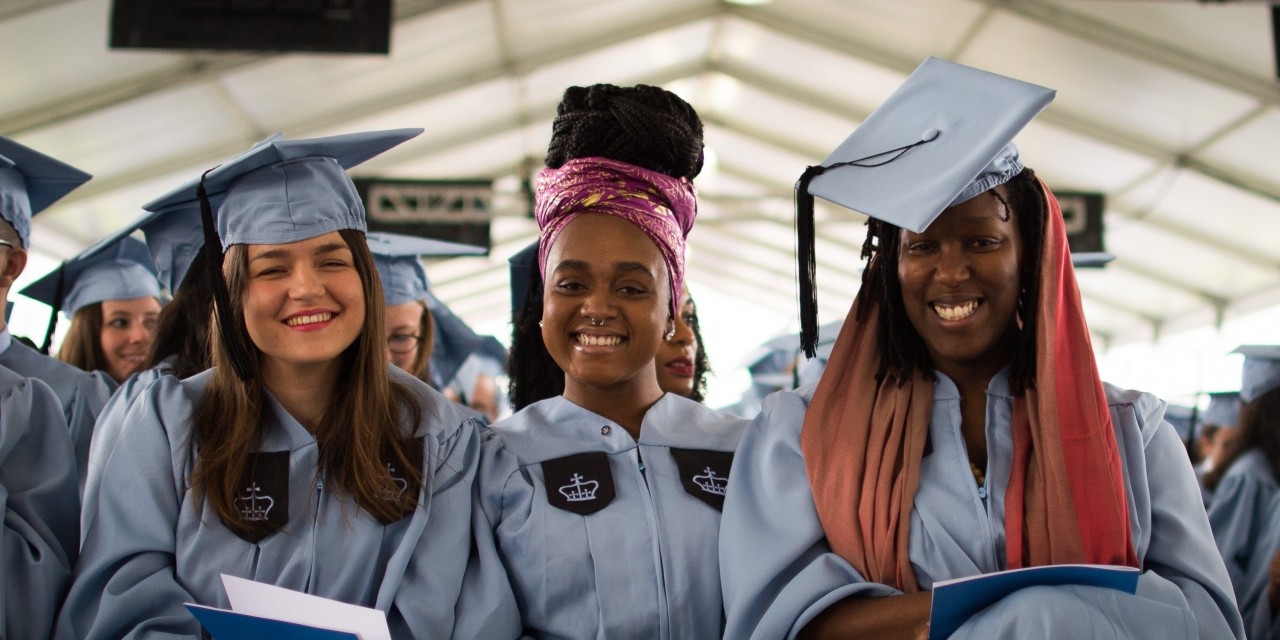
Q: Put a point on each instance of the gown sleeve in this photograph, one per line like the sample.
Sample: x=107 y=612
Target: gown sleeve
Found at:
x=453 y=579
x=125 y=584
x=106 y=431
x=38 y=493
x=91 y=395
x=777 y=570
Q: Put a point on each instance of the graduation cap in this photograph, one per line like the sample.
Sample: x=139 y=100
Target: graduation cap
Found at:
x=1261 y=370
x=116 y=268
x=1181 y=418
x=29 y=182
x=942 y=138
x=397 y=258
x=1223 y=409
x=523 y=268
x=280 y=192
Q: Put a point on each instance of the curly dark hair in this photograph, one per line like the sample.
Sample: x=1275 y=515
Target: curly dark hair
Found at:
x=643 y=125
x=701 y=363
x=902 y=351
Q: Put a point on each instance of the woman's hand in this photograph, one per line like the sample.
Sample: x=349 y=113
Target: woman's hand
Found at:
x=904 y=617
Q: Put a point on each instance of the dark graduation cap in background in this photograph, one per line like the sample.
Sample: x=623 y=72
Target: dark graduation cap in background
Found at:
x=29 y=182
x=523 y=269
x=279 y=192
x=942 y=138
x=115 y=268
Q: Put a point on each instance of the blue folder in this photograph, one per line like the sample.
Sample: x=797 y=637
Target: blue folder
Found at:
x=954 y=601
x=229 y=625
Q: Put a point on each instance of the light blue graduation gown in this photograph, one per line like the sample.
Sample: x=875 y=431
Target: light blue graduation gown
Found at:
x=82 y=393
x=779 y=571
x=148 y=549
x=38 y=493
x=644 y=565
x=1255 y=605
x=106 y=431
x=1236 y=512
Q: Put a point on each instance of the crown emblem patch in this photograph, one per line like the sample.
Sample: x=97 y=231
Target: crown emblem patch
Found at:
x=704 y=474
x=263 y=500
x=253 y=506
x=581 y=483
x=398 y=481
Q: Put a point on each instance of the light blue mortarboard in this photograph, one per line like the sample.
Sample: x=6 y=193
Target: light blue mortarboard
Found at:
x=29 y=182
x=172 y=226
x=117 y=268
x=1223 y=409
x=285 y=191
x=1261 y=370
x=943 y=137
x=399 y=267
x=281 y=192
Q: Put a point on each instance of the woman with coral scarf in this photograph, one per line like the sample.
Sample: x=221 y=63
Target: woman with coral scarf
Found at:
x=961 y=428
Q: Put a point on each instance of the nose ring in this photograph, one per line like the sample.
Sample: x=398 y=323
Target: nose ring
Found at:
x=597 y=322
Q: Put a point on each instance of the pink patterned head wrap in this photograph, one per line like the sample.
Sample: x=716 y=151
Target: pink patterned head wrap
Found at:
x=662 y=206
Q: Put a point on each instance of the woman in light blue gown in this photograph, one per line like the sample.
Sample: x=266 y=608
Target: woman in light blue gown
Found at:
x=302 y=458
x=605 y=500
x=960 y=427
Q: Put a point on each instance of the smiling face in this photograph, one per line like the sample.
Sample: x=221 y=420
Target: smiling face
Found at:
x=960 y=286
x=128 y=327
x=303 y=301
x=677 y=356
x=605 y=306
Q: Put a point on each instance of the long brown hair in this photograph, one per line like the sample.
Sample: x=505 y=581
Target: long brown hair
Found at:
x=426 y=343
x=359 y=432
x=1259 y=429
x=182 y=330
x=82 y=346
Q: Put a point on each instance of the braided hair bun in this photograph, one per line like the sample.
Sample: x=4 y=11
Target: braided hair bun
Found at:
x=646 y=126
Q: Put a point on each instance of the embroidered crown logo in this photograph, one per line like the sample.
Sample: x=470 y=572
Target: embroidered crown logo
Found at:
x=712 y=483
x=253 y=506
x=579 y=491
x=396 y=487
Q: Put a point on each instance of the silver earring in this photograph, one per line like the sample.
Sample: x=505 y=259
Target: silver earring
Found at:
x=671 y=333
x=539 y=324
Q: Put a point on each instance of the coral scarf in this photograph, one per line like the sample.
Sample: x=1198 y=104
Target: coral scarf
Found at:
x=863 y=441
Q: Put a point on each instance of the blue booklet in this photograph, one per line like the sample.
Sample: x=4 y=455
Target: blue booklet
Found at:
x=955 y=600
x=229 y=625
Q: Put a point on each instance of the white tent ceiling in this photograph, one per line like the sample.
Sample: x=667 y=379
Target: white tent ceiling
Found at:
x=1172 y=109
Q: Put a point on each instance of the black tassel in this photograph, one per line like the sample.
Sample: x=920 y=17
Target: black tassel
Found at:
x=57 y=306
x=807 y=261
x=236 y=350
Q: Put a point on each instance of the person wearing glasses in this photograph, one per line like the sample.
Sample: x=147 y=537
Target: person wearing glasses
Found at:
x=410 y=325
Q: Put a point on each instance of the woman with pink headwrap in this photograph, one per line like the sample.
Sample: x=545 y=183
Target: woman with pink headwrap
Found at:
x=605 y=501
